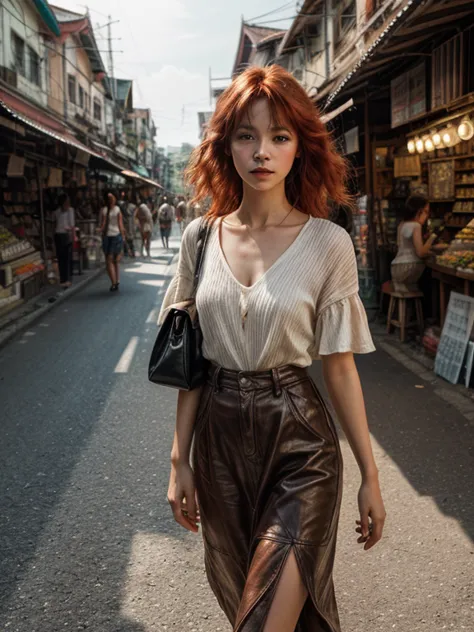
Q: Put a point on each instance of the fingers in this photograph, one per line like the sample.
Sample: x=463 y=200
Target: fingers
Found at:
x=181 y=515
x=370 y=534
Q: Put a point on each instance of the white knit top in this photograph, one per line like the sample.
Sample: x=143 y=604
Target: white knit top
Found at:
x=305 y=306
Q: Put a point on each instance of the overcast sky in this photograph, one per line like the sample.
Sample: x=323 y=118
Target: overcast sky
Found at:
x=168 y=47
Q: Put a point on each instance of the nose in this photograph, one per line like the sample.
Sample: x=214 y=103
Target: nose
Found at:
x=261 y=153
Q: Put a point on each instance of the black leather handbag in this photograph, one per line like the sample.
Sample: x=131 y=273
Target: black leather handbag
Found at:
x=176 y=359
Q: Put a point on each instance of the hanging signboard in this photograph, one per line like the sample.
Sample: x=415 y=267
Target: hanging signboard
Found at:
x=457 y=331
x=400 y=103
x=408 y=95
x=417 y=90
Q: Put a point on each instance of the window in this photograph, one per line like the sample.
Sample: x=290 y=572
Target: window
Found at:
x=346 y=18
x=87 y=101
x=81 y=97
x=97 y=110
x=71 y=85
x=18 y=46
x=34 y=74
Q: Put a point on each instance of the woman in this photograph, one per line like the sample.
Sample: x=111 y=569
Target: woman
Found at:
x=278 y=288
x=165 y=217
x=145 y=221
x=408 y=265
x=113 y=235
x=64 y=238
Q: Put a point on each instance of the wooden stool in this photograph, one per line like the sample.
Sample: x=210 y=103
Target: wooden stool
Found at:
x=401 y=323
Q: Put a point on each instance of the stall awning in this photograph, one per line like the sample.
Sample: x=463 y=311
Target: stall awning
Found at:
x=41 y=122
x=142 y=171
x=137 y=176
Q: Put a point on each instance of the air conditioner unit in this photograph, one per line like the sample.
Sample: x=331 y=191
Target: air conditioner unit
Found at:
x=9 y=76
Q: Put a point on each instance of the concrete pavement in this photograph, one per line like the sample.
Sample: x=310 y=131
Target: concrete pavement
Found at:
x=86 y=537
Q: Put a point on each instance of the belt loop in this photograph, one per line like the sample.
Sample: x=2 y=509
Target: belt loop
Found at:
x=276 y=383
x=215 y=379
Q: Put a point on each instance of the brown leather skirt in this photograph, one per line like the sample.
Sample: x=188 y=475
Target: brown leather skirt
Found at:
x=268 y=471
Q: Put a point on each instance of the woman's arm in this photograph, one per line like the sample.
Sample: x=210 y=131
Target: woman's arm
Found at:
x=121 y=227
x=343 y=384
x=181 y=492
x=422 y=250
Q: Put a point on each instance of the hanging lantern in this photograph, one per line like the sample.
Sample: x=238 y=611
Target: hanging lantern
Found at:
x=420 y=145
x=411 y=146
x=466 y=129
x=446 y=137
x=429 y=145
x=436 y=138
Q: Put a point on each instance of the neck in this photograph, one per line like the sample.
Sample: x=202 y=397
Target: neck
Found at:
x=259 y=208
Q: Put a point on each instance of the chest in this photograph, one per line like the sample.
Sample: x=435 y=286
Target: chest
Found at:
x=249 y=255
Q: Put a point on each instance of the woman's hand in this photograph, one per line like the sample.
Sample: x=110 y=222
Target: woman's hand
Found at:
x=370 y=506
x=182 y=496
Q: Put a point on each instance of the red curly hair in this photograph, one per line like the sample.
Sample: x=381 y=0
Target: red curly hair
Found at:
x=319 y=174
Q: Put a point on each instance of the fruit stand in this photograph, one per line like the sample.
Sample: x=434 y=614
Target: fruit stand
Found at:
x=455 y=268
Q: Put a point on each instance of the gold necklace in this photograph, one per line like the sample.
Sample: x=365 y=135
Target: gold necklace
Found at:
x=275 y=226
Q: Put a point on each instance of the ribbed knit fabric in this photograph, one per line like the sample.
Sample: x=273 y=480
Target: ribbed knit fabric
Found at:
x=306 y=305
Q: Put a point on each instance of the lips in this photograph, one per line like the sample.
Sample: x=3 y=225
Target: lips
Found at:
x=262 y=171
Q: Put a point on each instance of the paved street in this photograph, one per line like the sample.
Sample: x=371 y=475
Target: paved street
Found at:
x=87 y=540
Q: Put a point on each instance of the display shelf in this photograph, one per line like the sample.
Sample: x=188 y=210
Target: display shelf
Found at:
x=464 y=184
x=434 y=201
x=464 y=169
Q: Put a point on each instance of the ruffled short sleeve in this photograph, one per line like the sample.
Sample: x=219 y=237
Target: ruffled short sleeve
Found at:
x=343 y=327
x=341 y=321
x=181 y=285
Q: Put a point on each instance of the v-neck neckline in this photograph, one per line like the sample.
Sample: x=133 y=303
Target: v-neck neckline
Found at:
x=274 y=264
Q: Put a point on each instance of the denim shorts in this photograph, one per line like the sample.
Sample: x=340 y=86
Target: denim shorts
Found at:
x=112 y=245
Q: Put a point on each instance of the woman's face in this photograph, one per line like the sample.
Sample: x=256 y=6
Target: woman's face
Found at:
x=263 y=152
x=111 y=200
x=423 y=215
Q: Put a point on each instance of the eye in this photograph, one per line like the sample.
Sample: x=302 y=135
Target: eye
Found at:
x=282 y=139
x=244 y=137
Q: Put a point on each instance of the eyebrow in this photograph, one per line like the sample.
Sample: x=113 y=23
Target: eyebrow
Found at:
x=276 y=128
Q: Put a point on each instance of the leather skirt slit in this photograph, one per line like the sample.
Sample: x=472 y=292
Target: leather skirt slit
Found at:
x=268 y=471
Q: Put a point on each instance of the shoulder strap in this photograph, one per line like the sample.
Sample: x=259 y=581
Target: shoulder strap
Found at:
x=203 y=236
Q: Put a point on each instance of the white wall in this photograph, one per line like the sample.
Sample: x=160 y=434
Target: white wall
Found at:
x=23 y=19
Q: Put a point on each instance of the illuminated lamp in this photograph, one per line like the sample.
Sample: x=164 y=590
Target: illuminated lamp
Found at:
x=411 y=146
x=436 y=138
x=446 y=137
x=466 y=129
x=429 y=145
x=420 y=145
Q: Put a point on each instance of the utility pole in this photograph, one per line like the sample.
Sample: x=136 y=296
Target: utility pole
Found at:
x=112 y=79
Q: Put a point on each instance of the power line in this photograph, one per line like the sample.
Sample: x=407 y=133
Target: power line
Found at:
x=282 y=8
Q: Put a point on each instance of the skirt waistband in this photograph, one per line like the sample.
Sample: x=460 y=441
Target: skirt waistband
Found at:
x=256 y=380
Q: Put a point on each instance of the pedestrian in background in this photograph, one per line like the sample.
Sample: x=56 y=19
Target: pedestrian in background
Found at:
x=145 y=221
x=113 y=235
x=165 y=217
x=64 y=239
x=181 y=213
x=278 y=288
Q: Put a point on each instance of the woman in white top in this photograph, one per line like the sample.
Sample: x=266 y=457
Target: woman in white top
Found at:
x=278 y=289
x=64 y=239
x=408 y=265
x=113 y=235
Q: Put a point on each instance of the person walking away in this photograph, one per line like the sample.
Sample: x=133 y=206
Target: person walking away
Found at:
x=278 y=288
x=165 y=217
x=123 y=205
x=145 y=220
x=408 y=265
x=64 y=239
x=113 y=235
x=181 y=213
